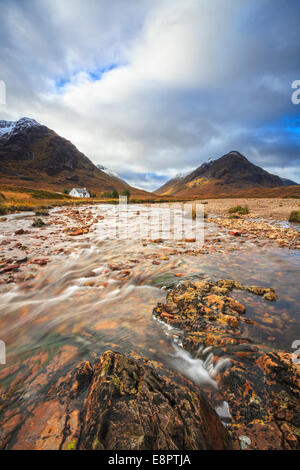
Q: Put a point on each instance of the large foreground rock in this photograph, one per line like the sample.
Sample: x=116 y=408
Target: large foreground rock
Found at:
x=120 y=403
x=130 y=407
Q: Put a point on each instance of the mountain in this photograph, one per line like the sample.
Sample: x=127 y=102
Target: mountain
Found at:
x=287 y=182
x=109 y=172
x=33 y=155
x=229 y=174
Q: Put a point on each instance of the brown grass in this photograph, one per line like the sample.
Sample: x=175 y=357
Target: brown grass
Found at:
x=18 y=198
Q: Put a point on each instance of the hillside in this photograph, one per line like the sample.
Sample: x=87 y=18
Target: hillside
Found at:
x=229 y=174
x=34 y=156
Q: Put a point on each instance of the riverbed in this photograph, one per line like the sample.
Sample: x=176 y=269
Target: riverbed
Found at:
x=72 y=297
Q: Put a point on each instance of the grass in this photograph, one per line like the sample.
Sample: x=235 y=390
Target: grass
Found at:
x=42 y=210
x=294 y=216
x=194 y=214
x=18 y=199
x=241 y=210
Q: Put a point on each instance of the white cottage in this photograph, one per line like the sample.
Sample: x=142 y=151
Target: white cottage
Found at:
x=79 y=192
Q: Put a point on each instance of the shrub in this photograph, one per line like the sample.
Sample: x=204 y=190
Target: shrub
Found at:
x=38 y=223
x=295 y=216
x=126 y=192
x=194 y=214
x=39 y=211
x=238 y=210
x=3 y=210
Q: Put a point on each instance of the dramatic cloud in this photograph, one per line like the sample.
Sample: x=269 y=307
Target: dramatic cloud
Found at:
x=150 y=88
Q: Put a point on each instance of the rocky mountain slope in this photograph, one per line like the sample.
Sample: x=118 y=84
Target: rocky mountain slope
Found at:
x=231 y=173
x=108 y=171
x=33 y=155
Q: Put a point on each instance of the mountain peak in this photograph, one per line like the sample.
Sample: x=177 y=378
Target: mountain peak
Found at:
x=9 y=127
x=224 y=175
x=234 y=155
x=31 y=154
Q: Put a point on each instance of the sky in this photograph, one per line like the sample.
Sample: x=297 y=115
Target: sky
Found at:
x=152 y=88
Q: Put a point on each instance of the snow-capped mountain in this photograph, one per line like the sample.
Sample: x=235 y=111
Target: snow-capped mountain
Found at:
x=8 y=128
x=229 y=173
x=31 y=154
x=108 y=171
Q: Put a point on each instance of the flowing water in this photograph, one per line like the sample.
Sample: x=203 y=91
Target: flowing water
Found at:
x=100 y=292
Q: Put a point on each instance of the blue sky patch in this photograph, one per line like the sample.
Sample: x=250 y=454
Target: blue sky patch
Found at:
x=94 y=75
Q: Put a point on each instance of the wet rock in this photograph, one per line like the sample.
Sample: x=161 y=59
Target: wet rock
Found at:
x=119 y=403
x=9 y=268
x=265 y=401
x=76 y=233
x=129 y=406
x=262 y=389
x=271 y=296
x=40 y=262
x=235 y=233
x=22 y=259
x=205 y=312
x=268 y=294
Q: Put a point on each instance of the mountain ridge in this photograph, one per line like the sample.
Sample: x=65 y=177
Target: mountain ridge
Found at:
x=229 y=173
x=33 y=154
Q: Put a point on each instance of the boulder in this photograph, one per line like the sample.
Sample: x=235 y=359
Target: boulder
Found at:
x=129 y=406
x=119 y=403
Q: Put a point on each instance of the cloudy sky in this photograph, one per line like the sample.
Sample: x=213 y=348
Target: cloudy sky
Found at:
x=150 y=88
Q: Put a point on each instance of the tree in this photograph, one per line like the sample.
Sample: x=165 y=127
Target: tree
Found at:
x=126 y=192
x=114 y=194
x=66 y=191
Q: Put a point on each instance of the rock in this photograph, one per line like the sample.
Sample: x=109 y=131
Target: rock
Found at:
x=129 y=406
x=40 y=262
x=262 y=389
x=267 y=294
x=235 y=233
x=205 y=312
x=10 y=267
x=265 y=401
x=245 y=442
x=76 y=233
x=20 y=232
x=270 y=296
x=119 y=403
